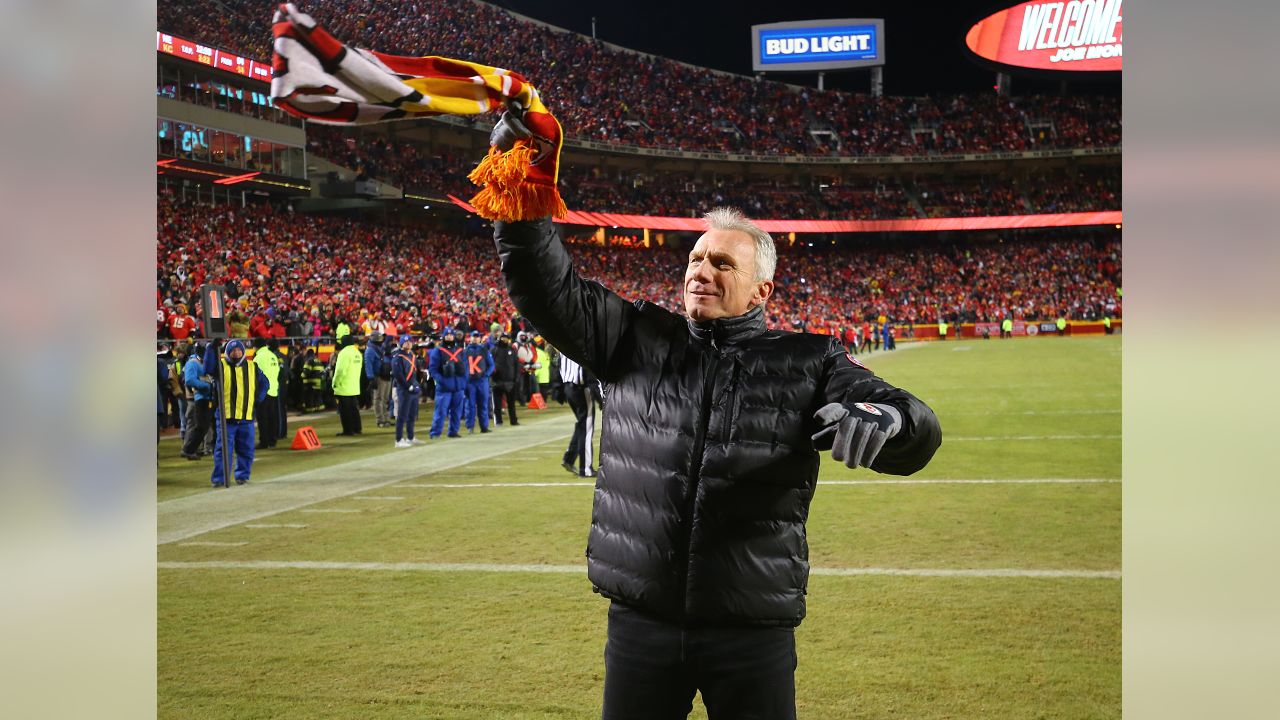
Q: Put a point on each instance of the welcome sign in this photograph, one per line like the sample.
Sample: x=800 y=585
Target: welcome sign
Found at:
x=1083 y=35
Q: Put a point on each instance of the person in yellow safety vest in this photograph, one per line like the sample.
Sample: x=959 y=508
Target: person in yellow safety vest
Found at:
x=1062 y=325
x=1006 y=328
x=942 y=329
x=346 y=385
x=243 y=387
x=341 y=331
x=268 y=410
x=1106 y=325
x=544 y=369
x=312 y=381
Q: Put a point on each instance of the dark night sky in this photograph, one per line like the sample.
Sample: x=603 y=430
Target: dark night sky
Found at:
x=924 y=42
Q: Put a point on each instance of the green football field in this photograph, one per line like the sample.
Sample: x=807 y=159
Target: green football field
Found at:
x=448 y=580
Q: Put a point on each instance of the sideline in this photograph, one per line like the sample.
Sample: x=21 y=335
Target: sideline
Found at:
x=185 y=517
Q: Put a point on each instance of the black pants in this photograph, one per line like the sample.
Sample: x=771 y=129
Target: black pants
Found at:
x=268 y=422
x=282 y=413
x=349 y=414
x=652 y=670
x=581 y=452
x=503 y=392
x=199 y=421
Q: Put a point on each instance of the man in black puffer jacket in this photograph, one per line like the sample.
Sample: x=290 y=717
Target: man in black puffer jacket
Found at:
x=708 y=461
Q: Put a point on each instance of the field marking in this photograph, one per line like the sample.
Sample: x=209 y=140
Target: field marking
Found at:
x=376 y=497
x=328 y=510
x=920 y=481
x=264 y=526
x=580 y=569
x=191 y=515
x=212 y=543
x=992 y=438
x=498 y=485
x=979 y=481
x=1094 y=411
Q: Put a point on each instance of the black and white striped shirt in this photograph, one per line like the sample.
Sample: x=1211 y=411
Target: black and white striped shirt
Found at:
x=570 y=371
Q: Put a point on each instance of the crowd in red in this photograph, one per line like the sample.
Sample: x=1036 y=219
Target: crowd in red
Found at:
x=291 y=274
x=607 y=94
x=409 y=165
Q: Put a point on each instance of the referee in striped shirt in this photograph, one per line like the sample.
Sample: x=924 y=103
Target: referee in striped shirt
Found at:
x=581 y=391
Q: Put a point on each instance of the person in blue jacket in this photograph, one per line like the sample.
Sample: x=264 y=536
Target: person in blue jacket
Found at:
x=449 y=371
x=479 y=368
x=404 y=373
x=243 y=387
x=377 y=366
x=195 y=444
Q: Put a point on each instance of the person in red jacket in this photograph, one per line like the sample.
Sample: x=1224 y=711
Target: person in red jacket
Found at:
x=181 y=325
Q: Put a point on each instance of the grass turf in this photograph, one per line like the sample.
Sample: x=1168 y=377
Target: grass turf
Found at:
x=248 y=643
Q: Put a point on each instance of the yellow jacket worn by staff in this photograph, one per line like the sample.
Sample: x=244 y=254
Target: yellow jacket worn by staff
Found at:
x=544 y=372
x=270 y=365
x=346 y=373
x=243 y=385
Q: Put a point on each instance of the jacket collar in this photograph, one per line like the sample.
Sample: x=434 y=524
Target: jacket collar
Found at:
x=731 y=330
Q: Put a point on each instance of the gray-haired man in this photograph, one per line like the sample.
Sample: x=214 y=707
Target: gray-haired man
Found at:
x=708 y=462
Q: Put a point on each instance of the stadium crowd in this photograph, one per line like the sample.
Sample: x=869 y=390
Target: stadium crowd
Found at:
x=298 y=275
x=603 y=93
x=410 y=165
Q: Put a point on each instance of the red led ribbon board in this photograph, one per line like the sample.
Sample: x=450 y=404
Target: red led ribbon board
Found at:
x=213 y=57
x=1080 y=35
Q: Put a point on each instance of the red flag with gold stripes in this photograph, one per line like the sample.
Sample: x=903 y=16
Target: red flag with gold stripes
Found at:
x=319 y=78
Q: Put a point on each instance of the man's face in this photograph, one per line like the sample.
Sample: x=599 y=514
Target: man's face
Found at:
x=235 y=354
x=720 y=278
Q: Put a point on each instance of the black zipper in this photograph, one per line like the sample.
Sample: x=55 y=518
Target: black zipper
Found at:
x=695 y=473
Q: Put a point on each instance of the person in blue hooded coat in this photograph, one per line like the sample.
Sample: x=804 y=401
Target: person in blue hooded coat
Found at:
x=243 y=387
x=448 y=368
x=479 y=368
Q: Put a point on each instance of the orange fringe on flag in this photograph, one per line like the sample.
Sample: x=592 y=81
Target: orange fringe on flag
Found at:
x=506 y=195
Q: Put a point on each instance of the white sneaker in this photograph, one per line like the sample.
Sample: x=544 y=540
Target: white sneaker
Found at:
x=416 y=441
x=403 y=444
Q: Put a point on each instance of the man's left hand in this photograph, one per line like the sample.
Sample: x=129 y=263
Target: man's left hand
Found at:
x=855 y=432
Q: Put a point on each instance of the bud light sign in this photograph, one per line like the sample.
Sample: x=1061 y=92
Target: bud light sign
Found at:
x=817 y=45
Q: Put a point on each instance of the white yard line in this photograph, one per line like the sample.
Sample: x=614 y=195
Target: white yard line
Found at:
x=997 y=413
x=994 y=438
x=265 y=526
x=186 y=517
x=579 y=569
x=979 y=481
x=872 y=481
x=496 y=485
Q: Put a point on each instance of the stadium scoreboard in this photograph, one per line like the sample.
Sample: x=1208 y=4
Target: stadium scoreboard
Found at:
x=814 y=45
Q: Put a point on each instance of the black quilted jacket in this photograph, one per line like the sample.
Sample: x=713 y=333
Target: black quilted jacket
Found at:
x=706 y=466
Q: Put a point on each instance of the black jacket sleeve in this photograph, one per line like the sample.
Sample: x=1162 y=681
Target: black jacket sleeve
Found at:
x=847 y=381
x=580 y=317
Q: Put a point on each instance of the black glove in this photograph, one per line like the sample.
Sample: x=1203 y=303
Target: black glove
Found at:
x=557 y=393
x=509 y=129
x=855 y=432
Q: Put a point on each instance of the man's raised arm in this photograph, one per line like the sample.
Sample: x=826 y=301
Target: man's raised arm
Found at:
x=580 y=317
